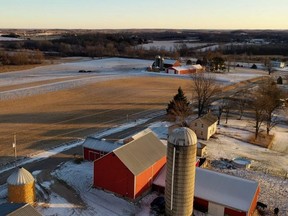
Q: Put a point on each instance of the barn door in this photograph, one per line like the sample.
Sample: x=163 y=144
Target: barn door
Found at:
x=215 y=209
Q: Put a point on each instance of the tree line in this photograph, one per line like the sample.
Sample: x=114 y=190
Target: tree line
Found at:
x=22 y=57
x=262 y=102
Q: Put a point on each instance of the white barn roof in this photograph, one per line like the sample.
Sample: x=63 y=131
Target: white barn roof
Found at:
x=220 y=188
x=225 y=189
x=20 y=177
x=141 y=153
x=100 y=145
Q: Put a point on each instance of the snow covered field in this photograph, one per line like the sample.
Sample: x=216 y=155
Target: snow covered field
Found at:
x=66 y=75
x=269 y=167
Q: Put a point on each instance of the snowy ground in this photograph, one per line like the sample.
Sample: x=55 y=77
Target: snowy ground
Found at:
x=64 y=76
x=265 y=162
x=274 y=189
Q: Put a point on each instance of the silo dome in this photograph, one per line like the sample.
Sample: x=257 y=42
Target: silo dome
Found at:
x=20 y=177
x=182 y=136
x=21 y=186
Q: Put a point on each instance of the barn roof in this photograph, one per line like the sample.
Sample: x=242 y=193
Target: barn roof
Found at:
x=169 y=61
x=100 y=145
x=18 y=209
x=141 y=153
x=227 y=190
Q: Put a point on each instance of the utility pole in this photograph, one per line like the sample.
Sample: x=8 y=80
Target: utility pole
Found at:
x=14 y=146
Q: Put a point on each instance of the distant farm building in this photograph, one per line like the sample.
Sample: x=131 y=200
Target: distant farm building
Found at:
x=205 y=126
x=201 y=149
x=161 y=64
x=94 y=148
x=220 y=194
x=186 y=69
x=21 y=186
x=278 y=64
x=130 y=170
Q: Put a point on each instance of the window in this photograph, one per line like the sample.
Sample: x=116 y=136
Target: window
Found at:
x=195 y=124
x=202 y=125
x=201 y=132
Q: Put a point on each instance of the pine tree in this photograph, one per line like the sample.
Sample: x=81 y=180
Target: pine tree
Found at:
x=178 y=108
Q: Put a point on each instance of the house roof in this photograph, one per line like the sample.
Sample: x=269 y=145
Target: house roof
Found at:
x=18 y=209
x=100 y=145
x=20 y=177
x=141 y=153
x=207 y=119
x=231 y=191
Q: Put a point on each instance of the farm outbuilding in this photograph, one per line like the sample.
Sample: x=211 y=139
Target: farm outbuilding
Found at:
x=205 y=126
x=21 y=186
x=220 y=194
x=94 y=148
x=130 y=170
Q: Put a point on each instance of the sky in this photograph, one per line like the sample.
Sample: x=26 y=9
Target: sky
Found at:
x=160 y=14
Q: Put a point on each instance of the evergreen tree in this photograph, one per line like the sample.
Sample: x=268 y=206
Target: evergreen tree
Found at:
x=178 y=108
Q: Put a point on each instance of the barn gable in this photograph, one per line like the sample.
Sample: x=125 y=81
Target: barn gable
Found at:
x=141 y=153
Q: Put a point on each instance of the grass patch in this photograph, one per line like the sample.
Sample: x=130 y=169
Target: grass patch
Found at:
x=262 y=140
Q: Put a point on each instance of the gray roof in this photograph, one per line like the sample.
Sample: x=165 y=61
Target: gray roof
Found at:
x=18 y=209
x=169 y=61
x=141 y=153
x=20 y=177
x=207 y=119
x=223 y=189
x=100 y=145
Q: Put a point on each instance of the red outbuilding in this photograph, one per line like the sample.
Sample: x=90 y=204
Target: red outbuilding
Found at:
x=130 y=170
x=94 y=148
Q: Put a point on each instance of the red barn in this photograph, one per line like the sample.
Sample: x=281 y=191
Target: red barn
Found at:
x=220 y=194
x=130 y=170
x=94 y=148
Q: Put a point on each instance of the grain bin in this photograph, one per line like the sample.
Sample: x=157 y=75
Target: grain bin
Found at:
x=180 y=177
x=21 y=186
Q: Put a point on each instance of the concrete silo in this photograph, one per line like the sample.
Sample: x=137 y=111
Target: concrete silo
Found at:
x=180 y=177
x=21 y=186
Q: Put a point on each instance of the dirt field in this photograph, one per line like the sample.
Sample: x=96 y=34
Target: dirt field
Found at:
x=47 y=120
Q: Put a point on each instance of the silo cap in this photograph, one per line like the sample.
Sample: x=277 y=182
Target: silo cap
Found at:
x=20 y=177
x=182 y=136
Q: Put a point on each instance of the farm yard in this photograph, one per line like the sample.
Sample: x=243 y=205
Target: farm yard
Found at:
x=55 y=104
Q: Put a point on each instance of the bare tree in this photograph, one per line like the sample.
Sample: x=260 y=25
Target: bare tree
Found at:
x=241 y=101
x=204 y=89
x=258 y=107
x=272 y=95
x=267 y=100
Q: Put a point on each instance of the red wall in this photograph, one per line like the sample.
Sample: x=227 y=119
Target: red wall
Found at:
x=254 y=202
x=200 y=204
x=91 y=157
x=112 y=175
x=145 y=179
x=231 y=212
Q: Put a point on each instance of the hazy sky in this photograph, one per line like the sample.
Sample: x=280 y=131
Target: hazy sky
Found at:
x=117 y=14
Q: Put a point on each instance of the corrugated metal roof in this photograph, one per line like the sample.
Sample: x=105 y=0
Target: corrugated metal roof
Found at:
x=18 y=209
x=227 y=190
x=100 y=145
x=20 y=177
x=141 y=153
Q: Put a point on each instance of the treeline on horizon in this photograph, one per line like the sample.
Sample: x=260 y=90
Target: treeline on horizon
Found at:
x=126 y=45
